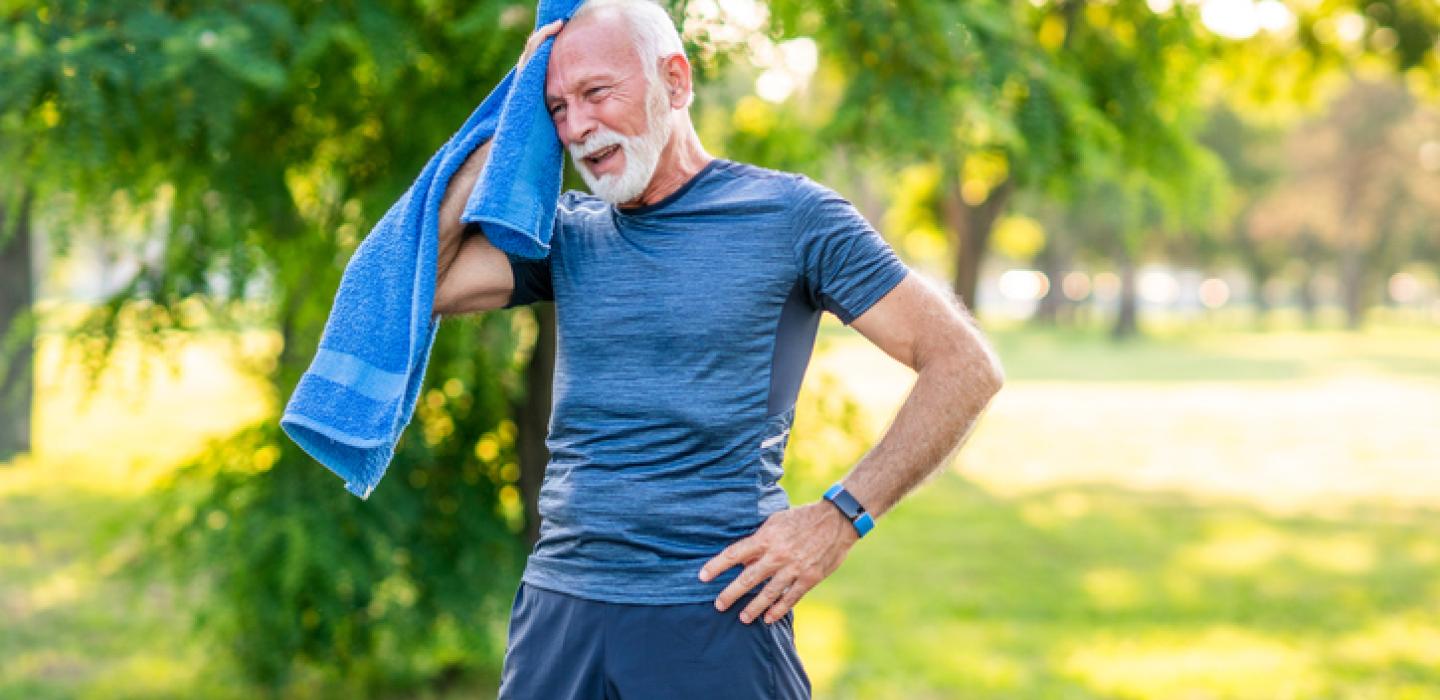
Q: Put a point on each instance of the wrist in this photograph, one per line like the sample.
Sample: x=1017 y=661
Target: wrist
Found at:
x=844 y=529
x=850 y=510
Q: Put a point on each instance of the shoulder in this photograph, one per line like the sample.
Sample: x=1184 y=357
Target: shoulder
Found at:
x=780 y=182
x=794 y=194
x=739 y=170
x=803 y=194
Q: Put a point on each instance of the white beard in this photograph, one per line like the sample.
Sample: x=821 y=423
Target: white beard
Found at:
x=642 y=153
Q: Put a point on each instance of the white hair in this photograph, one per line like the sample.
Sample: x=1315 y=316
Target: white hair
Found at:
x=654 y=32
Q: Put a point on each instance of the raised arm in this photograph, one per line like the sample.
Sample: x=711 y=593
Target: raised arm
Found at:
x=471 y=274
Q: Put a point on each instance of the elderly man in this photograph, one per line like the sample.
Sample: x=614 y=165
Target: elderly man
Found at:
x=687 y=292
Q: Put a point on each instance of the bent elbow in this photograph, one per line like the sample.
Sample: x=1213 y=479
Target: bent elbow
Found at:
x=983 y=372
x=992 y=375
x=441 y=306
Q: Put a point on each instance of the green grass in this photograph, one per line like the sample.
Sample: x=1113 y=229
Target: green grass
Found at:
x=1098 y=591
x=1216 y=513
x=1197 y=514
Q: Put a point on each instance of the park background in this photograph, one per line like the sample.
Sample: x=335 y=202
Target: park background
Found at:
x=1203 y=235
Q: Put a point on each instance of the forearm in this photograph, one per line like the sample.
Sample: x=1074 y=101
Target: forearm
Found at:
x=937 y=416
x=456 y=193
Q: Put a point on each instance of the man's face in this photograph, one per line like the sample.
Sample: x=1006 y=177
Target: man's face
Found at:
x=605 y=111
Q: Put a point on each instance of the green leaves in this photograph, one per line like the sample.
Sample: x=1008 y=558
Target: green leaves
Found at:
x=242 y=150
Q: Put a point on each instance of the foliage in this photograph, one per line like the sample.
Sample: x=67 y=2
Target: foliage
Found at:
x=251 y=141
x=253 y=144
x=307 y=584
x=1357 y=186
x=247 y=147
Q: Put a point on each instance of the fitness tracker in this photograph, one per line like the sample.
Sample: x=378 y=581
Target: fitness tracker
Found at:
x=851 y=508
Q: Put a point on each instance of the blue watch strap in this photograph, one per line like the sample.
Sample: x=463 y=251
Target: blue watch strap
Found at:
x=851 y=508
x=863 y=524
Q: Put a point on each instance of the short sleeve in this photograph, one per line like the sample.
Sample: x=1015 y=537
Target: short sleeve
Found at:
x=532 y=281
x=532 y=277
x=847 y=265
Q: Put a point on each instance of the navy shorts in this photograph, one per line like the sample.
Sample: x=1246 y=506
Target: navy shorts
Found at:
x=561 y=647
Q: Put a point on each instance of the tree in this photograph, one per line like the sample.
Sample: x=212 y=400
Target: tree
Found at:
x=17 y=383
x=257 y=142
x=1252 y=160
x=1004 y=96
x=1356 y=184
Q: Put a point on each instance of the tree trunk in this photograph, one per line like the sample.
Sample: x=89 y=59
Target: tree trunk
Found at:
x=532 y=418
x=17 y=344
x=1260 y=271
x=1127 y=320
x=1052 y=263
x=970 y=226
x=1307 y=297
x=1310 y=252
x=1352 y=286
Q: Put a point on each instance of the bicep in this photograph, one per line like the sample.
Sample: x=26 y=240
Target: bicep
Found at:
x=917 y=322
x=480 y=279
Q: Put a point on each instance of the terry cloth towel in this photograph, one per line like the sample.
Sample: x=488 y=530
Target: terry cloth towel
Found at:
x=354 y=401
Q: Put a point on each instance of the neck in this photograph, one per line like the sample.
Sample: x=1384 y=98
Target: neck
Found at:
x=682 y=157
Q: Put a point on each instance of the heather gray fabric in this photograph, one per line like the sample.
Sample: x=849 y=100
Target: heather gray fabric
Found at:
x=684 y=329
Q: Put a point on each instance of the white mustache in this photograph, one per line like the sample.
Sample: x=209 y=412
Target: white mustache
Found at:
x=600 y=141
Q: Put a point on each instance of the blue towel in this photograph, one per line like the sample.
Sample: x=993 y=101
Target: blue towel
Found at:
x=352 y=404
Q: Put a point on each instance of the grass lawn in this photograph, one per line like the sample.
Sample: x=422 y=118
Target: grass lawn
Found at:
x=1210 y=515
x=1199 y=514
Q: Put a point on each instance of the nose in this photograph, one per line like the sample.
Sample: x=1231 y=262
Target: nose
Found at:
x=579 y=123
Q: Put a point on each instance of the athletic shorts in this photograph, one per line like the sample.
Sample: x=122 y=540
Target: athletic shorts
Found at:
x=561 y=647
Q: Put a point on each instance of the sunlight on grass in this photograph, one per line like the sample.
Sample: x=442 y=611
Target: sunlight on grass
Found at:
x=1340 y=554
x=823 y=642
x=1111 y=588
x=1057 y=511
x=1195 y=515
x=1235 y=547
x=1408 y=639
x=1192 y=516
x=1218 y=662
x=145 y=415
x=67 y=510
x=1284 y=446
x=1353 y=423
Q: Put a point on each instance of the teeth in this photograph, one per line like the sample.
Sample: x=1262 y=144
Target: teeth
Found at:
x=598 y=155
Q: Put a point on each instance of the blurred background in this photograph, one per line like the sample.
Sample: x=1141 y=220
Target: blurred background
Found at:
x=1204 y=236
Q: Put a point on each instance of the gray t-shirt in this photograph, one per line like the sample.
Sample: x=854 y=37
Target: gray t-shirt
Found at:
x=684 y=328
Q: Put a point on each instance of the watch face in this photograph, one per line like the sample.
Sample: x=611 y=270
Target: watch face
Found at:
x=847 y=503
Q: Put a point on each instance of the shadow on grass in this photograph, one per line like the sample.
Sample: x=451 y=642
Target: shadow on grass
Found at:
x=1103 y=592
x=76 y=623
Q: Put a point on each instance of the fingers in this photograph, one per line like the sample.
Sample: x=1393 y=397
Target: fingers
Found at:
x=768 y=595
x=544 y=33
x=738 y=552
x=754 y=573
x=537 y=38
x=788 y=599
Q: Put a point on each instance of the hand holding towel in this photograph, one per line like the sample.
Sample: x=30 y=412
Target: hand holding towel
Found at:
x=350 y=407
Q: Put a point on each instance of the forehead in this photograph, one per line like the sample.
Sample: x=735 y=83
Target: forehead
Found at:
x=599 y=44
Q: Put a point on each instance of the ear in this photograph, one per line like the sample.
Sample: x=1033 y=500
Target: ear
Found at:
x=675 y=73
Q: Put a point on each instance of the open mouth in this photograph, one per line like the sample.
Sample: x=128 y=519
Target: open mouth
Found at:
x=602 y=155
